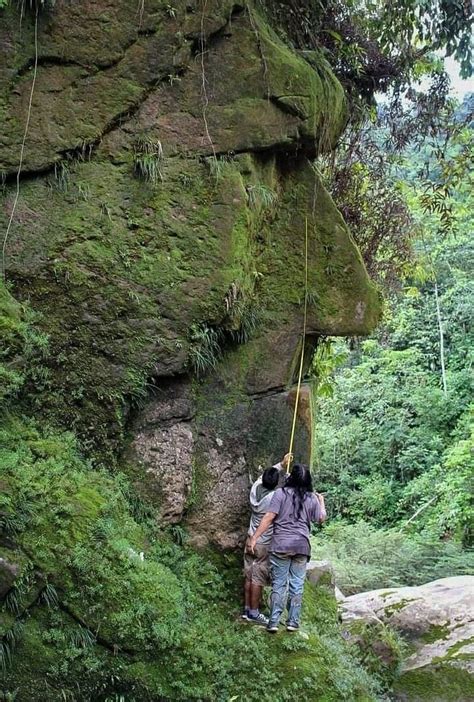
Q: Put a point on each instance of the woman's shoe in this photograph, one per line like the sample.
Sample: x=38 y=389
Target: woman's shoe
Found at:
x=272 y=628
x=245 y=615
x=292 y=626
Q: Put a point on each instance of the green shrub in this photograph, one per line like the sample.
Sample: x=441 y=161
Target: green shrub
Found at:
x=367 y=558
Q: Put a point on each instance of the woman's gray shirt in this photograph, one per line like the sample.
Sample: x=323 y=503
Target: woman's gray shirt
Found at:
x=291 y=533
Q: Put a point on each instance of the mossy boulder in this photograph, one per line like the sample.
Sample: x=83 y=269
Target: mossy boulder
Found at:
x=436 y=622
x=159 y=238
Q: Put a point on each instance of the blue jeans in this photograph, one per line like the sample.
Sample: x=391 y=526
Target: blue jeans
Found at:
x=288 y=574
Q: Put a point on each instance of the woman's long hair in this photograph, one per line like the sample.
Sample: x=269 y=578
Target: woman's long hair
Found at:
x=300 y=480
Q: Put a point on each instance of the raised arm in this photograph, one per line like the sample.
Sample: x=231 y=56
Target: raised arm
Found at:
x=283 y=464
x=267 y=519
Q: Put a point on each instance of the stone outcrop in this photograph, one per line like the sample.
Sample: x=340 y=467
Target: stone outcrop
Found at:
x=166 y=187
x=437 y=622
x=322 y=573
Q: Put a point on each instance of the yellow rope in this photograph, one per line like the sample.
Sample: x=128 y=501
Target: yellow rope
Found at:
x=300 y=373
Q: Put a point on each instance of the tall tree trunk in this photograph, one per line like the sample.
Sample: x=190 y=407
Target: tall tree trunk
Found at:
x=441 y=340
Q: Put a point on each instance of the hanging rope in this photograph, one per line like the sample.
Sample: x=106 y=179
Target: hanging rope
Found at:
x=22 y=150
x=300 y=373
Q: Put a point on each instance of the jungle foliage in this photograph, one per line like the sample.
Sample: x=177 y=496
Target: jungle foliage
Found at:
x=394 y=440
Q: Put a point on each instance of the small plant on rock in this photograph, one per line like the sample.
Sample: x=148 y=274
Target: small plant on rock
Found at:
x=205 y=349
x=148 y=159
x=261 y=196
x=218 y=164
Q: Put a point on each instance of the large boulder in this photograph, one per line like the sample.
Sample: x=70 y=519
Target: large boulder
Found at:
x=437 y=622
x=159 y=236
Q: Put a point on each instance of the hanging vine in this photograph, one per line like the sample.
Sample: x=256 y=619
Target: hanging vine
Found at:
x=23 y=143
x=204 y=95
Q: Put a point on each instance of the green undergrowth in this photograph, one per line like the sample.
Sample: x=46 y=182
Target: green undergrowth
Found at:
x=106 y=603
x=367 y=558
x=22 y=348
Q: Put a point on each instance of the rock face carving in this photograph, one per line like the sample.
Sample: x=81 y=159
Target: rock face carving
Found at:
x=166 y=188
x=437 y=621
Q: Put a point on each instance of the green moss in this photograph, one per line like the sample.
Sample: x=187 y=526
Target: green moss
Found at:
x=436 y=633
x=316 y=96
x=446 y=683
x=381 y=650
x=398 y=606
x=121 y=616
x=454 y=650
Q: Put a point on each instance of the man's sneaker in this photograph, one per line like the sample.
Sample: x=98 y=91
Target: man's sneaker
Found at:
x=272 y=628
x=291 y=626
x=245 y=615
x=259 y=619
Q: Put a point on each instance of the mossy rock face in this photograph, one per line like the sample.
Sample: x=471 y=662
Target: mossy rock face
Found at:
x=161 y=230
x=155 y=281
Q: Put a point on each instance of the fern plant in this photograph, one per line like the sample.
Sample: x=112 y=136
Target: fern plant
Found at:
x=249 y=315
x=81 y=637
x=242 y=312
x=49 y=596
x=61 y=176
x=7 y=645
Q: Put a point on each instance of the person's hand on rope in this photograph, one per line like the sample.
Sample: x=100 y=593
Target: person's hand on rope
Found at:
x=287 y=460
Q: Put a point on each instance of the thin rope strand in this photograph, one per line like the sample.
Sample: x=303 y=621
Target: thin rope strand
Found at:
x=22 y=150
x=300 y=373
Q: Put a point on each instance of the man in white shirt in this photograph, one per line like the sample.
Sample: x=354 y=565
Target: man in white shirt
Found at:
x=256 y=564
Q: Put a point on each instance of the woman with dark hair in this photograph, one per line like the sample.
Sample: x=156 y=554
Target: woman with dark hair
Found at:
x=292 y=510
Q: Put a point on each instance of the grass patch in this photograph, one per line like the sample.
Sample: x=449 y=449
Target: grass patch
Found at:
x=148 y=160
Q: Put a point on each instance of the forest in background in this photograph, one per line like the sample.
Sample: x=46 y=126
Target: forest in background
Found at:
x=394 y=434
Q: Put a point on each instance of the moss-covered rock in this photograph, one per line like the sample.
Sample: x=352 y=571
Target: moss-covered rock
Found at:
x=132 y=254
x=156 y=263
x=436 y=622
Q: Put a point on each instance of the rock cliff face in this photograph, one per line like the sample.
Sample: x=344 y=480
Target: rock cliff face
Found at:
x=165 y=190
